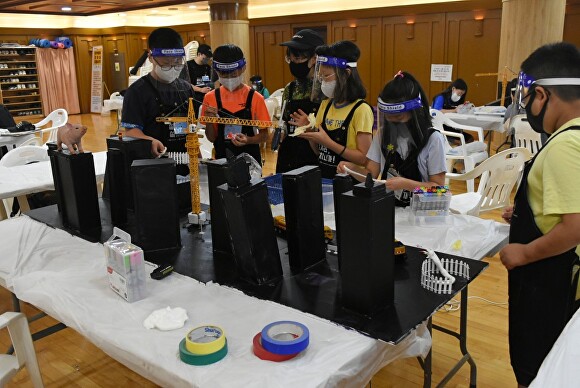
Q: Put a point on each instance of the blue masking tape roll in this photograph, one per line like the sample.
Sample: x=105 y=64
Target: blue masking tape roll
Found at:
x=285 y=337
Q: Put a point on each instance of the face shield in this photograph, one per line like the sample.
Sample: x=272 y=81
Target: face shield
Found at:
x=329 y=73
x=169 y=65
x=395 y=126
x=230 y=74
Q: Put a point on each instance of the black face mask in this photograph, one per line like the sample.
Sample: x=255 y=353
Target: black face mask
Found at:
x=299 y=70
x=536 y=122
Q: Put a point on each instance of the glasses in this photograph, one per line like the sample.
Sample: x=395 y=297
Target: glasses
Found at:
x=296 y=59
x=322 y=77
x=166 y=67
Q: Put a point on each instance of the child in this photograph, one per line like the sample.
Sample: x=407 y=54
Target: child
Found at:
x=258 y=85
x=225 y=101
x=542 y=256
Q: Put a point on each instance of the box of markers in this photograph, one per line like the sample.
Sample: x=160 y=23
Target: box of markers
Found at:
x=125 y=268
x=430 y=205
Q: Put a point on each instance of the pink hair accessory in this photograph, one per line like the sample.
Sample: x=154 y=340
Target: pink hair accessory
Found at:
x=399 y=74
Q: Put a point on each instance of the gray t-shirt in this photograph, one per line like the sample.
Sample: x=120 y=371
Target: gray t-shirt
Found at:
x=431 y=159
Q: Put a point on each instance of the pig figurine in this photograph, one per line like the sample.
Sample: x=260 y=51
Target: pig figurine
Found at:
x=70 y=135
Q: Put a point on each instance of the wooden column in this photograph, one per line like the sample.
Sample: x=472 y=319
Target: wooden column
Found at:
x=229 y=24
x=527 y=25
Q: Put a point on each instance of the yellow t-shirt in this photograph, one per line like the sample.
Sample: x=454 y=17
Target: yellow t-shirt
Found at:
x=553 y=181
x=362 y=120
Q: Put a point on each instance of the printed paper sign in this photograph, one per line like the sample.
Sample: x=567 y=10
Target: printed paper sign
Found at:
x=441 y=72
x=97 y=80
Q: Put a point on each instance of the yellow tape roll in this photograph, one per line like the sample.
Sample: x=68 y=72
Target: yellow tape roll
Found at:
x=205 y=340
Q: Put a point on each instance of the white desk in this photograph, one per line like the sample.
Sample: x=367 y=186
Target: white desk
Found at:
x=66 y=277
x=36 y=177
x=488 y=122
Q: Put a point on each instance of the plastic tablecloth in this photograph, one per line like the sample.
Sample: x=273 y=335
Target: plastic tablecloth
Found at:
x=65 y=276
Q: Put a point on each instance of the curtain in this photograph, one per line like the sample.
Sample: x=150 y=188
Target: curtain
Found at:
x=58 y=80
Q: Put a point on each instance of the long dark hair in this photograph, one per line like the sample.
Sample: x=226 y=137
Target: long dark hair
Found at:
x=460 y=84
x=352 y=89
x=405 y=87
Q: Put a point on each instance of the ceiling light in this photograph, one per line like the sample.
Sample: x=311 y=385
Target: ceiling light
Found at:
x=193 y=6
x=66 y=9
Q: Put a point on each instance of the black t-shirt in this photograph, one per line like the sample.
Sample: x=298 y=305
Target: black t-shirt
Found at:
x=141 y=106
x=196 y=77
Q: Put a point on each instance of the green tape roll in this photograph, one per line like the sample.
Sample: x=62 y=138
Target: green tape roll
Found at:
x=206 y=359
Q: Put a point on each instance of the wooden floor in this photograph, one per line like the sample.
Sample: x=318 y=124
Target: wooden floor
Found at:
x=69 y=360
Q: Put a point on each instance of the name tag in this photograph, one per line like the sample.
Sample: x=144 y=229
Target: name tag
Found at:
x=180 y=128
x=230 y=131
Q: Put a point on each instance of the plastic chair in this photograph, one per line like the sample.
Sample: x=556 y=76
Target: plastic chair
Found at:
x=205 y=146
x=191 y=50
x=23 y=347
x=18 y=157
x=56 y=118
x=524 y=135
x=471 y=154
x=498 y=176
x=272 y=106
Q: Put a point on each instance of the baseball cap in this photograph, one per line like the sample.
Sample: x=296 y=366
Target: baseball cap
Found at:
x=304 y=39
x=205 y=50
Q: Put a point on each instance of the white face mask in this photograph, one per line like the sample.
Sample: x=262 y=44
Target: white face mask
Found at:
x=328 y=87
x=167 y=76
x=231 y=84
x=455 y=97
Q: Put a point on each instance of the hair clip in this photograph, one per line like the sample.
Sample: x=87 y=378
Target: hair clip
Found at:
x=399 y=74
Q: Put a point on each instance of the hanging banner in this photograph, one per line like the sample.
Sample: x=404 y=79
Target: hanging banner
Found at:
x=97 y=80
x=441 y=72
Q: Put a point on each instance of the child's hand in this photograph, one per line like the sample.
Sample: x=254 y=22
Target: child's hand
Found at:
x=507 y=214
x=239 y=140
x=513 y=255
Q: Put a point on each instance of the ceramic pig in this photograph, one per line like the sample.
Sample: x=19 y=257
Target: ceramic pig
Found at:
x=70 y=135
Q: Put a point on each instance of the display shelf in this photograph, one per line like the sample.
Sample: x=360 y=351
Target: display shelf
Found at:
x=19 y=85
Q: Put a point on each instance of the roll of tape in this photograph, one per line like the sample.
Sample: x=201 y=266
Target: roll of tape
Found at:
x=205 y=340
x=263 y=354
x=205 y=359
x=285 y=337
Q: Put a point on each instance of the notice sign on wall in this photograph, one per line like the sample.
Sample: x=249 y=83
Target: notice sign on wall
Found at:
x=441 y=72
x=97 y=80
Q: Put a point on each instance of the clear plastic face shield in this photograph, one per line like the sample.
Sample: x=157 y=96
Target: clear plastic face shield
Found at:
x=329 y=73
x=395 y=121
x=525 y=90
x=230 y=75
x=169 y=65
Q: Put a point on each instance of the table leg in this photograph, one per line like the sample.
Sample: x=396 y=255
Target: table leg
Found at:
x=3 y=214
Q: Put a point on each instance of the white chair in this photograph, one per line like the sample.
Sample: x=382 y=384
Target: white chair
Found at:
x=272 y=106
x=23 y=348
x=20 y=156
x=524 y=135
x=205 y=146
x=56 y=118
x=191 y=50
x=498 y=176
x=470 y=153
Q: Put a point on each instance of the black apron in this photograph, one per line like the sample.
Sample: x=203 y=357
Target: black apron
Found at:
x=224 y=147
x=295 y=152
x=329 y=159
x=407 y=168
x=541 y=294
x=165 y=132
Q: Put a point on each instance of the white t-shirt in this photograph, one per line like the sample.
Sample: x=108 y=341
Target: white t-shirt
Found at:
x=431 y=159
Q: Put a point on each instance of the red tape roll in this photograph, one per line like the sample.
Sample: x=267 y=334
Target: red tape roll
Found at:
x=263 y=354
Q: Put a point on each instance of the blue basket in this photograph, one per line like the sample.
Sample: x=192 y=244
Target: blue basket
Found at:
x=274 y=184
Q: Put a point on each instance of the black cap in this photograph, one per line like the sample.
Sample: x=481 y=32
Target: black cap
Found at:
x=205 y=50
x=304 y=40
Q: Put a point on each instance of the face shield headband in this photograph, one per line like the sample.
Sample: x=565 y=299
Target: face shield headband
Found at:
x=400 y=107
x=229 y=67
x=167 y=52
x=334 y=62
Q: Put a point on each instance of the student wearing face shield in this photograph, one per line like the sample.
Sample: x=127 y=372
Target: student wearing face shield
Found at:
x=449 y=99
x=295 y=152
x=406 y=151
x=234 y=99
x=160 y=93
x=544 y=241
x=344 y=120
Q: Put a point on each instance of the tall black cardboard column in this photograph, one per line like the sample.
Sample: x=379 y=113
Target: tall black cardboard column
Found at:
x=249 y=219
x=116 y=181
x=302 y=189
x=340 y=184
x=220 y=237
x=155 y=200
x=367 y=224
x=76 y=187
x=132 y=149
